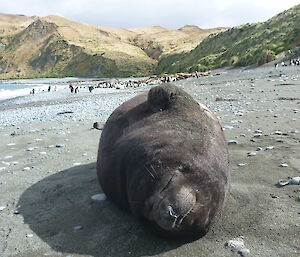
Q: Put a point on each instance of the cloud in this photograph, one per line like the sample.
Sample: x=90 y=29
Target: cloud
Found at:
x=140 y=13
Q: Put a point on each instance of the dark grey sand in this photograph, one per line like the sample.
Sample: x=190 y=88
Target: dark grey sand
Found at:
x=52 y=195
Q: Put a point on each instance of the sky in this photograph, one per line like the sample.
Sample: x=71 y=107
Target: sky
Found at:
x=143 y=13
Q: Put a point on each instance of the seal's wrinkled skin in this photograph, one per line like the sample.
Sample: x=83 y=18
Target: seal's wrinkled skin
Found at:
x=164 y=157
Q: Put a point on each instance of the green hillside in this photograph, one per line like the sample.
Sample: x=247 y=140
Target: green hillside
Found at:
x=249 y=44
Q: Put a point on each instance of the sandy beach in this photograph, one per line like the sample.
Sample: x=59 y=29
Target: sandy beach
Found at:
x=48 y=176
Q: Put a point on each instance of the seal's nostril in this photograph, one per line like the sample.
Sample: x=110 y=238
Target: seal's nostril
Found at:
x=171 y=212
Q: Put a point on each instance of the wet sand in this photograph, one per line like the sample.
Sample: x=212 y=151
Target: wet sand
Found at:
x=47 y=173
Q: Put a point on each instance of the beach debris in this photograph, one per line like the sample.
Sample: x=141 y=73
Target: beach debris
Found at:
x=2 y=208
x=77 y=228
x=284 y=165
x=11 y=144
x=29 y=149
x=256 y=135
x=277 y=133
x=296 y=181
x=84 y=154
x=59 y=145
x=16 y=212
x=26 y=168
x=7 y=157
x=99 y=197
x=232 y=142
x=258 y=149
x=51 y=146
x=42 y=153
x=282 y=182
x=251 y=154
x=29 y=235
x=242 y=164
x=2 y=168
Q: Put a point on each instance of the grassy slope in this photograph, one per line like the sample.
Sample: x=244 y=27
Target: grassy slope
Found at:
x=240 y=46
x=54 y=46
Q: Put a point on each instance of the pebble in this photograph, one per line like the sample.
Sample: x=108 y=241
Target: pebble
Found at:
x=257 y=135
x=296 y=181
x=284 y=165
x=278 y=133
x=2 y=168
x=42 y=153
x=251 y=154
x=51 y=146
x=242 y=164
x=274 y=196
x=29 y=149
x=11 y=144
x=7 y=157
x=227 y=127
x=98 y=197
x=232 y=142
x=26 y=168
x=283 y=183
x=258 y=149
x=77 y=228
x=236 y=244
x=59 y=145
x=84 y=154
x=2 y=208
x=244 y=252
x=269 y=148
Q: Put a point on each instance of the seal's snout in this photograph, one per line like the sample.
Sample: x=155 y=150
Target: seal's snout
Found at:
x=175 y=208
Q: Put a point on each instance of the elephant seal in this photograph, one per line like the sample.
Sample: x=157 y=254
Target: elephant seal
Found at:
x=163 y=157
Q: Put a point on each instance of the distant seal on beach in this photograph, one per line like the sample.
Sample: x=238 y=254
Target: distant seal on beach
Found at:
x=163 y=157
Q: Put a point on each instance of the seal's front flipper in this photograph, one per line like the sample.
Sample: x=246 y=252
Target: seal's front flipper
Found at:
x=168 y=96
x=160 y=97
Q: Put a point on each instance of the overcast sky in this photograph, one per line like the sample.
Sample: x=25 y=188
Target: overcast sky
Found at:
x=141 y=13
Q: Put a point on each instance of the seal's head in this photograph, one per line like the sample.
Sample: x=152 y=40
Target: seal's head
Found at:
x=178 y=207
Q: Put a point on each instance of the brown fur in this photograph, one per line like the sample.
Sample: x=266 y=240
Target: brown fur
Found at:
x=163 y=157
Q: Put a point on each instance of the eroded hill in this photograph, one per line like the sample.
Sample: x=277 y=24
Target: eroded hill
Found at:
x=53 y=46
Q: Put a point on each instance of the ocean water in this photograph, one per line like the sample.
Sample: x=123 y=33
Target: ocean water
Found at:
x=22 y=87
x=15 y=88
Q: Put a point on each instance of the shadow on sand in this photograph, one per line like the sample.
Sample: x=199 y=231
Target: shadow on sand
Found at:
x=55 y=205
